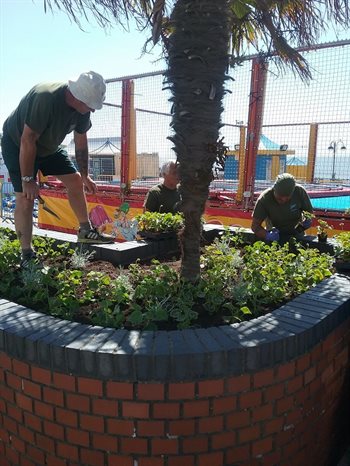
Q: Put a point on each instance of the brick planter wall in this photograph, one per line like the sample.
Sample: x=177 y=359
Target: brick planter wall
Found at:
x=265 y=392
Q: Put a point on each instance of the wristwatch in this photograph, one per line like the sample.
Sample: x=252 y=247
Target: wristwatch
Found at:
x=27 y=179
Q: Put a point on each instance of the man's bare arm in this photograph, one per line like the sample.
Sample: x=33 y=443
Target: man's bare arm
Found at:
x=258 y=229
x=82 y=153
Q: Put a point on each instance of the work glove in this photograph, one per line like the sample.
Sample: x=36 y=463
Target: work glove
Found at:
x=272 y=235
x=306 y=223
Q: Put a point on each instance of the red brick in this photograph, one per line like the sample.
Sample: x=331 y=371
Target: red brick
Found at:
x=210 y=459
x=181 y=461
x=41 y=375
x=237 y=454
x=53 y=396
x=224 y=405
x=32 y=389
x=210 y=388
x=36 y=454
x=8 y=394
x=13 y=381
x=250 y=399
x=309 y=375
x=151 y=461
x=182 y=427
x=120 y=390
x=21 y=368
x=33 y=422
x=6 y=362
x=195 y=445
x=274 y=458
x=295 y=384
x=223 y=440
x=284 y=405
x=91 y=423
x=66 y=417
x=105 y=442
x=238 y=384
x=287 y=371
x=294 y=417
x=248 y=434
x=53 y=430
x=92 y=458
x=273 y=426
x=18 y=444
x=303 y=363
x=64 y=381
x=150 y=428
x=90 y=386
x=53 y=461
x=261 y=447
x=45 y=443
x=78 y=402
x=118 y=460
x=317 y=353
x=43 y=410
x=181 y=391
x=27 y=462
x=134 y=445
x=26 y=434
x=15 y=413
x=24 y=402
x=263 y=378
x=67 y=451
x=135 y=410
x=261 y=413
x=342 y=359
x=77 y=437
x=196 y=408
x=120 y=427
x=166 y=410
x=9 y=424
x=150 y=391
x=12 y=456
x=274 y=393
x=238 y=419
x=164 y=446
x=105 y=407
x=211 y=424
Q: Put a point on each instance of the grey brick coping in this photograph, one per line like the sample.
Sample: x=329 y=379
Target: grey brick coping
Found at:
x=192 y=354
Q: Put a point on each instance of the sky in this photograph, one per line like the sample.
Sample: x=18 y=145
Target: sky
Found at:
x=36 y=46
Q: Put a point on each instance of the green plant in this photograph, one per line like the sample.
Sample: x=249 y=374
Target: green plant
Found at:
x=238 y=282
x=159 y=223
x=323 y=228
x=342 y=246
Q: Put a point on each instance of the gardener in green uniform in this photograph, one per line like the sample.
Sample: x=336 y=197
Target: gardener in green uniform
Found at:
x=31 y=140
x=164 y=197
x=281 y=207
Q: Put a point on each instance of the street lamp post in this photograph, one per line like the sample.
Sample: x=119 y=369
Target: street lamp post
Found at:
x=333 y=147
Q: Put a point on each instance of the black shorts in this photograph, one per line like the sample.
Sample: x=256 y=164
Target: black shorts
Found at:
x=58 y=163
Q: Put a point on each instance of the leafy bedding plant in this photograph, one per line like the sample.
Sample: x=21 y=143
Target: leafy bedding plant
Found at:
x=237 y=283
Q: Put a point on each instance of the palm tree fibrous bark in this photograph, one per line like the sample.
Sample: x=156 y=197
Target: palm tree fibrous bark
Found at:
x=198 y=58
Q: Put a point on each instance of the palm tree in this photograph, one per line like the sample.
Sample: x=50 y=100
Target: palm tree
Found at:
x=201 y=39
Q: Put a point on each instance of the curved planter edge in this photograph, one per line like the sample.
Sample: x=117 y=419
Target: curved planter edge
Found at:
x=177 y=355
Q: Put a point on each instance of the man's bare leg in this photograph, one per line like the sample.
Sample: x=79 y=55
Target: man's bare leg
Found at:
x=24 y=221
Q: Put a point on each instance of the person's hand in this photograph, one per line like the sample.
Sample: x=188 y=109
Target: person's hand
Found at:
x=90 y=185
x=306 y=223
x=30 y=189
x=272 y=235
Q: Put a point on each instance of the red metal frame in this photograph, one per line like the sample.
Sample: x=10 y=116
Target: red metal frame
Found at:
x=125 y=135
x=255 y=119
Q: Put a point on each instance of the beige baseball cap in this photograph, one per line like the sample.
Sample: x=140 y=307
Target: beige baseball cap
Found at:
x=89 y=88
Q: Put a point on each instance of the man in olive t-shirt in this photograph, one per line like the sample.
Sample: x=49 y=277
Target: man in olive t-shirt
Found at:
x=281 y=208
x=31 y=140
x=165 y=197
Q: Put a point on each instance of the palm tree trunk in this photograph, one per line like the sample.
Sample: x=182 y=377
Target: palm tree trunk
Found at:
x=197 y=65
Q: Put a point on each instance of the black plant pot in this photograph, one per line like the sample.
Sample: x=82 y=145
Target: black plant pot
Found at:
x=322 y=238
